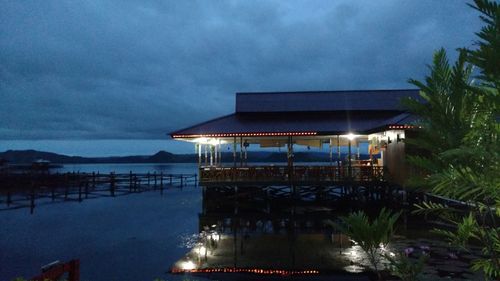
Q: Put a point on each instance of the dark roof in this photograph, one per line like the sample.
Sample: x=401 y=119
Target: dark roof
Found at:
x=334 y=112
x=322 y=101
x=338 y=122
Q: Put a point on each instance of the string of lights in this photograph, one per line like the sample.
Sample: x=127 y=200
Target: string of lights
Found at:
x=245 y=270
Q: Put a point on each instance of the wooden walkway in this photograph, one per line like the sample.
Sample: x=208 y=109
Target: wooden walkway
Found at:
x=24 y=190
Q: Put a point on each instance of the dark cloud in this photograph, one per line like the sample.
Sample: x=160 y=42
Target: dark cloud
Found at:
x=128 y=69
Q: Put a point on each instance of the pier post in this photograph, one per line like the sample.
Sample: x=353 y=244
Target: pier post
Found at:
x=149 y=180
x=268 y=203
x=80 y=192
x=195 y=180
x=93 y=179
x=182 y=181
x=235 y=242
x=204 y=200
x=161 y=181
x=86 y=190
x=130 y=182
x=112 y=184
x=154 y=179
x=32 y=199
x=235 y=199
x=9 y=200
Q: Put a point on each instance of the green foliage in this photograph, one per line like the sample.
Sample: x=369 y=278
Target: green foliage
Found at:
x=445 y=115
x=486 y=56
x=370 y=235
x=406 y=268
x=460 y=137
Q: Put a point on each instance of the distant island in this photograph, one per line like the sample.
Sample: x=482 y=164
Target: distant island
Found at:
x=29 y=156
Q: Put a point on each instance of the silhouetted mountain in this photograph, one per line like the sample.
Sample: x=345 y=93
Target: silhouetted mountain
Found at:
x=28 y=156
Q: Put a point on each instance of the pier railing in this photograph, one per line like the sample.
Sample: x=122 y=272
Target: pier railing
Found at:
x=296 y=174
x=21 y=190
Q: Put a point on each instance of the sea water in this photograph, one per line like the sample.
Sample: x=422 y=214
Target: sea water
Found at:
x=133 y=237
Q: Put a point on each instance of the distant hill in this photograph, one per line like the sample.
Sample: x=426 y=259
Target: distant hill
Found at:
x=28 y=156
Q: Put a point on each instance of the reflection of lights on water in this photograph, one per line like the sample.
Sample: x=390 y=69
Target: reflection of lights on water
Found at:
x=189 y=241
x=354 y=268
x=355 y=253
x=188 y=265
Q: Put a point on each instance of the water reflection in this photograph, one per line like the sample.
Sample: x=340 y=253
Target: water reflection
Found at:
x=269 y=229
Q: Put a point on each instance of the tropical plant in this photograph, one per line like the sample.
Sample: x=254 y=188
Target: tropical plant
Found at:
x=405 y=267
x=461 y=144
x=371 y=235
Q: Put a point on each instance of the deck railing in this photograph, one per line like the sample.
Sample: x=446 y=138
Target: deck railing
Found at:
x=296 y=174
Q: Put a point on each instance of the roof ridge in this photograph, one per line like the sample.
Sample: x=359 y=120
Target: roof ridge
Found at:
x=324 y=91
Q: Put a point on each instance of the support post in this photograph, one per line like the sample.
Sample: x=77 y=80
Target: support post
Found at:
x=212 y=155
x=199 y=154
x=206 y=156
x=220 y=155
x=234 y=152
x=357 y=148
x=241 y=151
x=290 y=158
x=338 y=158
x=331 y=152
x=216 y=154
x=349 y=161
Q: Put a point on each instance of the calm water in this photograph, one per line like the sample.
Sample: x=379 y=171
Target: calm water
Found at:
x=141 y=235
x=134 y=237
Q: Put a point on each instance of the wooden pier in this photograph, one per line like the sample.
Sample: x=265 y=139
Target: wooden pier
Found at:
x=328 y=174
x=22 y=190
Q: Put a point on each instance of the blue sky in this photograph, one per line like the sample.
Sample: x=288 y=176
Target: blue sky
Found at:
x=113 y=77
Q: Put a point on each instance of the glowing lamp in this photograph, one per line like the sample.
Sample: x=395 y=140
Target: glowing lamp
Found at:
x=188 y=265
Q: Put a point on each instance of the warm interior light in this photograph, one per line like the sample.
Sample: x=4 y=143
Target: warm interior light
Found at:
x=202 y=251
x=350 y=136
x=215 y=236
x=188 y=265
x=211 y=141
x=201 y=140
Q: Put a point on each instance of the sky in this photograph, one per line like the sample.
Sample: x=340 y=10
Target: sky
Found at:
x=114 y=77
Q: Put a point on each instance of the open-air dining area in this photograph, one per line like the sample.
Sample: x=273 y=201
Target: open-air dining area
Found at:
x=364 y=140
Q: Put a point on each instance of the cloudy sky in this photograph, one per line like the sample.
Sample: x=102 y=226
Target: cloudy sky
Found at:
x=113 y=77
